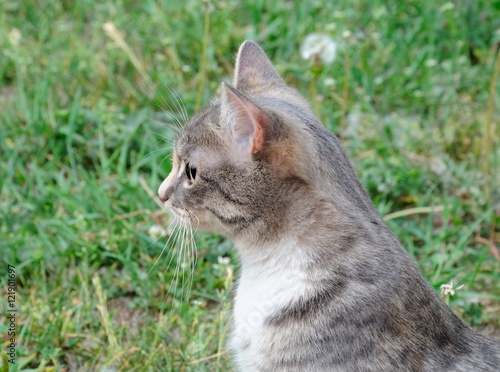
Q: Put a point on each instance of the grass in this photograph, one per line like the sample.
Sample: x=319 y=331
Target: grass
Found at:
x=86 y=97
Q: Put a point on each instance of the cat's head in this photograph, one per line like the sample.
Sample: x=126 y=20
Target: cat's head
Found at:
x=252 y=161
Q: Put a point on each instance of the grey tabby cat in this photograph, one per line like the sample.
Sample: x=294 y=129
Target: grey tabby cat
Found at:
x=325 y=286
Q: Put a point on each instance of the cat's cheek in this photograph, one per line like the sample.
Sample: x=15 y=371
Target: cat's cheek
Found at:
x=206 y=222
x=194 y=198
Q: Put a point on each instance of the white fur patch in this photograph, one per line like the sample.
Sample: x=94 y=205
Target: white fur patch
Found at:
x=271 y=279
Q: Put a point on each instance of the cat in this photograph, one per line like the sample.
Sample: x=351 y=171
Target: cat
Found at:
x=325 y=285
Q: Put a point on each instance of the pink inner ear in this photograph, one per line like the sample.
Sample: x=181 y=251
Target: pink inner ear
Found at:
x=258 y=140
x=249 y=124
x=260 y=127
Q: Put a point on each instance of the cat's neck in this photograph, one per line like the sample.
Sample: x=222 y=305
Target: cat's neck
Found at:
x=273 y=255
x=309 y=229
x=294 y=257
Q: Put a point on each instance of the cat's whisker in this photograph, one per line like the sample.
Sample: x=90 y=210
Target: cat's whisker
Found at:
x=164 y=247
x=173 y=283
x=189 y=245
x=172 y=114
x=168 y=156
x=171 y=117
x=178 y=266
x=197 y=222
x=194 y=252
x=183 y=275
x=167 y=139
x=166 y=126
x=180 y=103
x=171 y=109
x=161 y=235
x=172 y=122
x=158 y=150
x=184 y=263
x=171 y=252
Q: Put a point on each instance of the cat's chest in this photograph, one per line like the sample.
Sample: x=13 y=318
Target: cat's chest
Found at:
x=264 y=290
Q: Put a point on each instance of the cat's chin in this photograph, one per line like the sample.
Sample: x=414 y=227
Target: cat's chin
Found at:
x=181 y=215
x=188 y=219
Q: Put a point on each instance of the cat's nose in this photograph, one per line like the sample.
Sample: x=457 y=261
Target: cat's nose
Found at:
x=165 y=190
x=165 y=195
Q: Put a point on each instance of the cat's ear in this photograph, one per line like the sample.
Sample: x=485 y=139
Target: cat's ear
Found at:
x=253 y=68
x=248 y=124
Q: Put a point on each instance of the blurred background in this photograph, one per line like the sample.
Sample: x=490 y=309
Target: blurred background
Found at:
x=91 y=94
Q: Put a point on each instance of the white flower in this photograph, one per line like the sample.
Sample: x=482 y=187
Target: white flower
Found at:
x=222 y=263
x=431 y=62
x=223 y=260
x=449 y=290
x=14 y=36
x=319 y=48
x=155 y=231
x=225 y=268
x=197 y=302
x=447 y=6
x=346 y=34
x=329 y=82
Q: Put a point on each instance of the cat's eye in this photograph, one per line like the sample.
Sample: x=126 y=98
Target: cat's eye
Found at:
x=190 y=172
